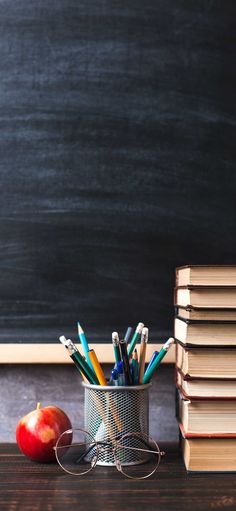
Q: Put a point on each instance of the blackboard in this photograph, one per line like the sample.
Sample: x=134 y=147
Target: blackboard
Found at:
x=117 y=160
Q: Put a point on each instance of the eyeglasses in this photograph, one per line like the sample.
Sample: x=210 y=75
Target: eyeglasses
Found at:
x=135 y=455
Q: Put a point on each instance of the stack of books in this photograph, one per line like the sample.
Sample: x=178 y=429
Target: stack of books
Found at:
x=205 y=333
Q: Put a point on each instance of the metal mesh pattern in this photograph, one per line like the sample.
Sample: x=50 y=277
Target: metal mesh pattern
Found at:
x=111 y=412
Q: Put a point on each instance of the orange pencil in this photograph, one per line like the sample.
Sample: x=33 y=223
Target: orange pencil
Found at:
x=97 y=367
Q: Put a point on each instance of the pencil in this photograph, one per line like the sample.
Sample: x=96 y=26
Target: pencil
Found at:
x=128 y=333
x=153 y=357
x=136 y=337
x=134 y=367
x=97 y=367
x=144 y=340
x=62 y=339
x=116 y=342
x=84 y=344
x=148 y=374
x=79 y=361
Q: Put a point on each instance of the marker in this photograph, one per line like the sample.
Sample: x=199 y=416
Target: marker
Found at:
x=136 y=337
x=97 y=367
x=114 y=377
x=128 y=334
x=144 y=340
x=125 y=360
x=84 y=344
x=153 y=357
x=121 y=376
x=79 y=361
x=116 y=342
x=148 y=374
x=134 y=367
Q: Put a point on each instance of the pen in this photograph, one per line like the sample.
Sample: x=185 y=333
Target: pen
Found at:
x=84 y=344
x=136 y=337
x=128 y=334
x=125 y=360
x=153 y=357
x=144 y=340
x=148 y=374
x=116 y=342
x=121 y=379
x=114 y=377
x=79 y=361
x=97 y=367
x=134 y=367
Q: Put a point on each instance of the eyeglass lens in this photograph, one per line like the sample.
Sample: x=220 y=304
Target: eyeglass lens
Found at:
x=80 y=455
x=138 y=455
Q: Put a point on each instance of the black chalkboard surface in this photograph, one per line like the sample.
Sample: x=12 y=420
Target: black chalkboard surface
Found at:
x=117 y=160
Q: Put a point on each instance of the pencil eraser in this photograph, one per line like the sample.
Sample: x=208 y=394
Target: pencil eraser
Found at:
x=62 y=339
x=140 y=327
x=170 y=341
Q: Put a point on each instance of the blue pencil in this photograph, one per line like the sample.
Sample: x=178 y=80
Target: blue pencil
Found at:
x=153 y=357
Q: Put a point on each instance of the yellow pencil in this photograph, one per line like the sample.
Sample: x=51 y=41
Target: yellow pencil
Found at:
x=144 y=340
x=97 y=368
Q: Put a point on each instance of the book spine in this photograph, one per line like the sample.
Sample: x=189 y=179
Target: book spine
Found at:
x=176 y=276
x=177 y=404
x=175 y=297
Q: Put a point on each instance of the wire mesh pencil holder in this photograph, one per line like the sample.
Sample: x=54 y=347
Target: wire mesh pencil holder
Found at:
x=110 y=412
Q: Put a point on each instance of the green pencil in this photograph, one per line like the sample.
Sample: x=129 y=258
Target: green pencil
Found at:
x=134 y=367
x=136 y=337
x=116 y=342
x=150 y=370
x=79 y=361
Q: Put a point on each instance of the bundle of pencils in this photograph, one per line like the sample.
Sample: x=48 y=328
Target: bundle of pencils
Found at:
x=129 y=368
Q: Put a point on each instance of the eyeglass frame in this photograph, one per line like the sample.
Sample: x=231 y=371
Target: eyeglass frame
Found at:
x=109 y=444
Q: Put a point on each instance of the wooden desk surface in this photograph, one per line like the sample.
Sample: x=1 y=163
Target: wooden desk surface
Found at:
x=28 y=486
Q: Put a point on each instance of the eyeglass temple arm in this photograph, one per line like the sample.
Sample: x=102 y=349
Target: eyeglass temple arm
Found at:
x=141 y=440
x=162 y=453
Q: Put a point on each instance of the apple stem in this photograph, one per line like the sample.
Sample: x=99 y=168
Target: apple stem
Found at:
x=38 y=406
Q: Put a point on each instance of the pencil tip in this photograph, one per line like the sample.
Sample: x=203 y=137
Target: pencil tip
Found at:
x=80 y=329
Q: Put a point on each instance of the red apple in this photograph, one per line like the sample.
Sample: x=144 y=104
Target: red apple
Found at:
x=38 y=431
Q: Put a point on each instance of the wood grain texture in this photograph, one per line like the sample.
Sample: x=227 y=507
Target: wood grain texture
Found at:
x=117 y=160
x=28 y=486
